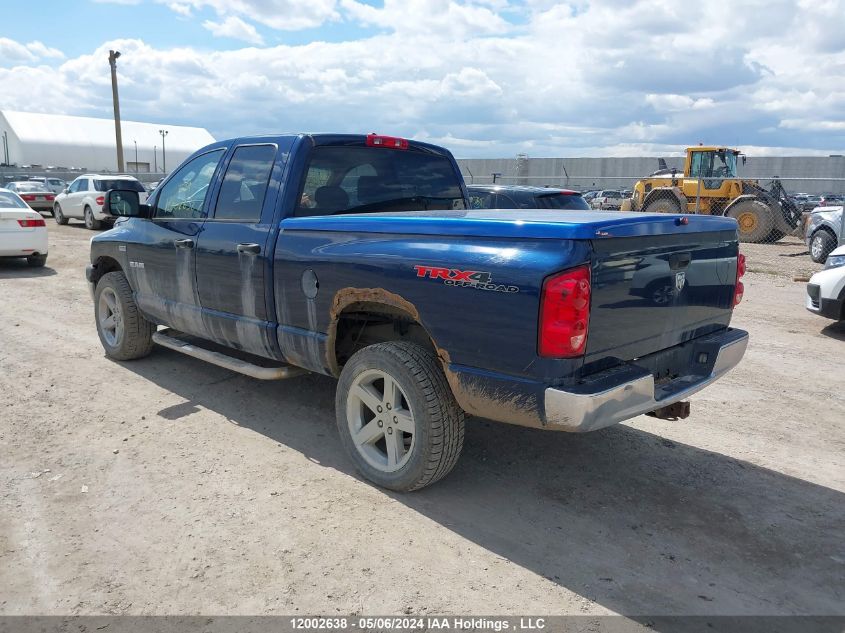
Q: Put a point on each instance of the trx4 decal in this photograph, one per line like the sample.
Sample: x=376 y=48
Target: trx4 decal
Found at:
x=463 y=278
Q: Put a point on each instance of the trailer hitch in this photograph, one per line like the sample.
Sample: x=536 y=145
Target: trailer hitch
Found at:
x=674 y=411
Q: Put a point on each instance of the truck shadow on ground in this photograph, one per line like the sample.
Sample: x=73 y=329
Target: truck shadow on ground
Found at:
x=631 y=521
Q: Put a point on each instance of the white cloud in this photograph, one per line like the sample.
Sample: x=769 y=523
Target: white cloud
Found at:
x=235 y=28
x=552 y=80
x=284 y=15
x=15 y=52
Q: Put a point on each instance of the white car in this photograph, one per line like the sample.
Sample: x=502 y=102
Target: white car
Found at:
x=608 y=200
x=84 y=197
x=826 y=290
x=23 y=232
x=56 y=185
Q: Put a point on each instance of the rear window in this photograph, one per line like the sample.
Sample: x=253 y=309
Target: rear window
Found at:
x=11 y=201
x=131 y=185
x=29 y=186
x=562 y=201
x=373 y=179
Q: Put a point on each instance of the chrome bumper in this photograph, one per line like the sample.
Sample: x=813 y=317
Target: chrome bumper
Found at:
x=629 y=391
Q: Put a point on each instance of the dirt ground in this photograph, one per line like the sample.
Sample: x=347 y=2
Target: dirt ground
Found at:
x=169 y=486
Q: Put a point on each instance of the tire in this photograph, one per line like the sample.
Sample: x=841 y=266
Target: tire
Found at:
x=755 y=220
x=36 y=261
x=774 y=236
x=91 y=223
x=429 y=432
x=132 y=335
x=663 y=204
x=821 y=245
x=58 y=215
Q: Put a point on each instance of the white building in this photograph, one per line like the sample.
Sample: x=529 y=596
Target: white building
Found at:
x=57 y=140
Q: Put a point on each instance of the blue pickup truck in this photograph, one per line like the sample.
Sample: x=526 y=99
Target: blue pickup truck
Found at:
x=357 y=257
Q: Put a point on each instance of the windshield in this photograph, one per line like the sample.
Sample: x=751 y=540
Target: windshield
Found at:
x=9 y=200
x=131 y=185
x=370 y=179
x=714 y=164
x=569 y=201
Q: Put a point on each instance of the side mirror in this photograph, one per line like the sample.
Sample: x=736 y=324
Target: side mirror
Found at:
x=124 y=203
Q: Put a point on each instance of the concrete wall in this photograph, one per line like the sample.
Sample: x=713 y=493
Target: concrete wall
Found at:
x=809 y=174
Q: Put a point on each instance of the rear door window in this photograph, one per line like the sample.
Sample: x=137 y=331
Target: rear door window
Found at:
x=373 y=179
x=245 y=184
x=107 y=185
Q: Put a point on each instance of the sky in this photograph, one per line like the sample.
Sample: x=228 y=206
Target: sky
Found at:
x=485 y=78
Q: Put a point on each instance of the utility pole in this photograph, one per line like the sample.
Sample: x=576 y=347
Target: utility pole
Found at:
x=5 y=147
x=136 y=155
x=155 y=159
x=113 y=55
x=163 y=156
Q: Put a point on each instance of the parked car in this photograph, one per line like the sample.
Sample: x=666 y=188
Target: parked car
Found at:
x=83 y=198
x=23 y=232
x=831 y=200
x=34 y=194
x=607 y=199
x=826 y=289
x=359 y=259
x=56 y=185
x=589 y=195
x=523 y=197
x=822 y=229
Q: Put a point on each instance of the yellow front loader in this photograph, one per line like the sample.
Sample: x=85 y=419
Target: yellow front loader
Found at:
x=709 y=185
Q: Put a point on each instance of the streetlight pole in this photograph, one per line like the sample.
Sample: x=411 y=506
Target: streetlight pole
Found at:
x=136 y=155
x=155 y=159
x=113 y=55
x=163 y=156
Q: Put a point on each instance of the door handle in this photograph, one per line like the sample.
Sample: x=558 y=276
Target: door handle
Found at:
x=252 y=249
x=186 y=243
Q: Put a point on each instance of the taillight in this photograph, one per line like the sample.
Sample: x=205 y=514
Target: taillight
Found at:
x=565 y=313
x=31 y=224
x=28 y=197
x=394 y=142
x=739 y=289
x=50 y=197
x=100 y=200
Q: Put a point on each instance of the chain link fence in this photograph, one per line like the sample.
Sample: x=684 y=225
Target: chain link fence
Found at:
x=767 y=211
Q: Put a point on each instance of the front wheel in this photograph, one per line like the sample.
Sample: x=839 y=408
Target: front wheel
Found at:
x=124 y=333
x=91 y=223
x=397 y=417
x=754 y=219
x=821 y=245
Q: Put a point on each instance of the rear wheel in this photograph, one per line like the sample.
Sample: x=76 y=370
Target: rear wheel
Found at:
x=821 y=245
x=91 y=223
x=58 y=215
x=36 y=261
x=754 y=220
x=124 y=333
x=397 y=417
x=663 y=204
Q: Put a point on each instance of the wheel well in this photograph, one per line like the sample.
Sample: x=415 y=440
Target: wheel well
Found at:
x=826 y=229
x=364 y=323
x=105 y=265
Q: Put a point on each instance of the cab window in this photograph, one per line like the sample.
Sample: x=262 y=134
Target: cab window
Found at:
x=183 y=197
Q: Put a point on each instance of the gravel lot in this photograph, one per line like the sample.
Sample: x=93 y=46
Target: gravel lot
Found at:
x=167 y=485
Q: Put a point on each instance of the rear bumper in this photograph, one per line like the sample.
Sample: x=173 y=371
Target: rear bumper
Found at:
x=629 y=390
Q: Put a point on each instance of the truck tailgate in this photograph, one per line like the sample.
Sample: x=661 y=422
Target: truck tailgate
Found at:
x=654 y=292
